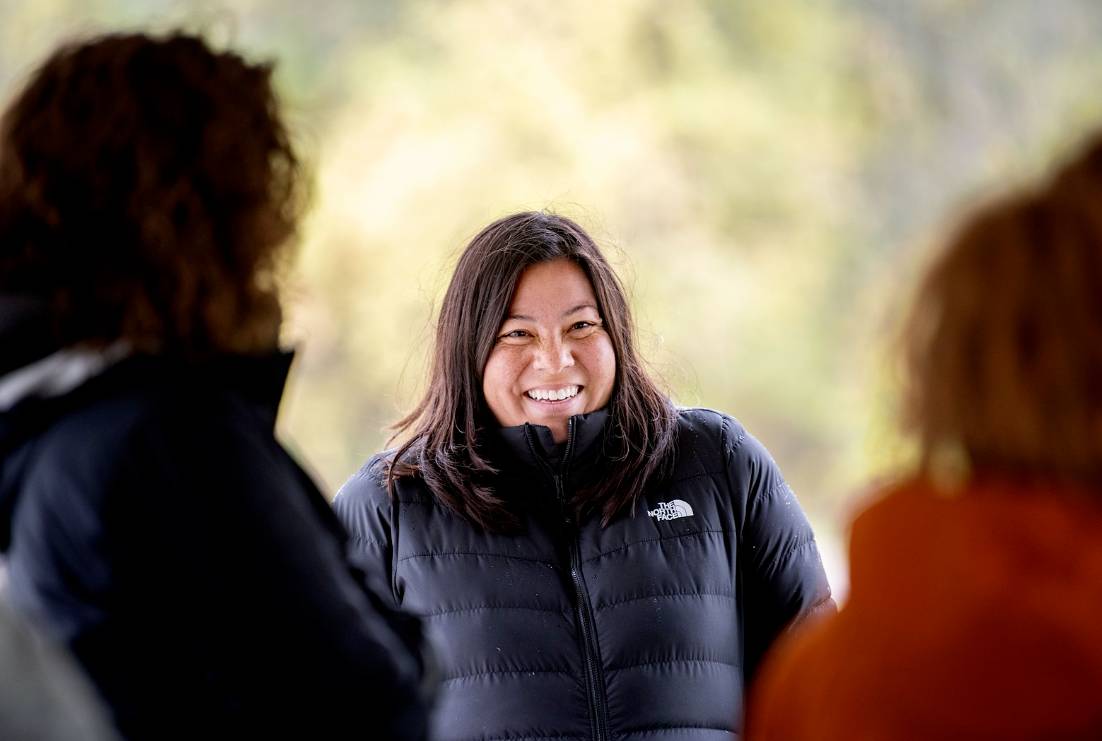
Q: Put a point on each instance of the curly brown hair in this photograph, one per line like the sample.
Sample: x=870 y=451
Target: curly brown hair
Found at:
x=147 y=186
x=1004 y=343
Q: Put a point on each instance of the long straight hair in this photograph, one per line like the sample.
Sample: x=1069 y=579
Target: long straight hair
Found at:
x=447 y=429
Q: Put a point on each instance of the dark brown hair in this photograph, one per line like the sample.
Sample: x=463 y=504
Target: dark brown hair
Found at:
x=446 y=429
x=1004 y=343
x=146 y=186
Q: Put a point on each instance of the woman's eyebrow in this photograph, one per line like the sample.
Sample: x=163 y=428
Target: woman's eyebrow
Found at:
x=568 y=312
x=578 y=308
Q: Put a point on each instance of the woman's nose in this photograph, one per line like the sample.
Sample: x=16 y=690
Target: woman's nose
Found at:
x=553 y=356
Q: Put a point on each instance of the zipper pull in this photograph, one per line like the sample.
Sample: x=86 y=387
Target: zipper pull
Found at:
x=567 y=517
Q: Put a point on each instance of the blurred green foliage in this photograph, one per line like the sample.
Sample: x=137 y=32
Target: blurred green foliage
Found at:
x=768 y=176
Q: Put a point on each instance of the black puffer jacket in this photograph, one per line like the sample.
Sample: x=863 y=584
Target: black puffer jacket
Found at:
x=647 y=629
x=153 y=524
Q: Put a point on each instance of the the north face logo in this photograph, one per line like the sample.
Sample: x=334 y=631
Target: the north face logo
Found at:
x=671 y=510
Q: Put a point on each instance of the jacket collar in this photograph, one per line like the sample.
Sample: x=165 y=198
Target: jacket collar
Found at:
x=260 y=379
x=25 y=331
x=33 y=366
x=65 y=378
x=532 y=446
x=58 y=373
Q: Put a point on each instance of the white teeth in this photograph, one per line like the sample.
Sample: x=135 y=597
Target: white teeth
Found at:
x=556 y=395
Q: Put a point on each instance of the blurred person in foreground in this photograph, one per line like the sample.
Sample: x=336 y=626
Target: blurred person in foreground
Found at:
x=592 y=562
x=975 y=609
x=150 y=520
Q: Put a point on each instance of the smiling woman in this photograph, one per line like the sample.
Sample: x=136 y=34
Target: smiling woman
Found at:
x=510 y=325
x=591 y=561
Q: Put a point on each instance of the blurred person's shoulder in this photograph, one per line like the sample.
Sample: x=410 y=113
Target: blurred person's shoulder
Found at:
x=139 y=393
x=138 y=406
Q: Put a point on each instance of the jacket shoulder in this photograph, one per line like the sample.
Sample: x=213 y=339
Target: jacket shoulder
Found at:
x=708 y=437
x=366 y=487
x=148 y=392
x=366 y=495
x=122 y=436
x=722 y=435
x=94 y=435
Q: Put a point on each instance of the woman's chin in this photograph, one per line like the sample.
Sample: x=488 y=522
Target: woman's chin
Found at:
x=553 y=414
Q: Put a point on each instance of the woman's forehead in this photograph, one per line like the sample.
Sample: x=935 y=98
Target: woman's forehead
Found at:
x=552 y=289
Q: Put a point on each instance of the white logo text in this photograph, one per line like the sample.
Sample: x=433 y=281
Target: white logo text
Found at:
x=671 y=510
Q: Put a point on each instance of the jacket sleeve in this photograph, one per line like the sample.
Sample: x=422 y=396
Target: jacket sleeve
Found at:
x=363 y=507
x=782 y=581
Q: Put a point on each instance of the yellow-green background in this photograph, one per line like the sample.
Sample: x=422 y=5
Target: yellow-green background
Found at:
x=768 y=176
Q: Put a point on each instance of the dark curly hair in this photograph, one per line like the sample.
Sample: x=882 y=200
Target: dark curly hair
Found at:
x=147 y=185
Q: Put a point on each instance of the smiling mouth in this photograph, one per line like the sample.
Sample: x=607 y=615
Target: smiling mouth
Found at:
x=553 y=396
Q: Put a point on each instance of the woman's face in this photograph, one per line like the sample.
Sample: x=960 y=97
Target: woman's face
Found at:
x=552 y=358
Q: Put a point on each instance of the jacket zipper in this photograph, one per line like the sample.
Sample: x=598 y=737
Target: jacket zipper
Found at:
x=594 y=677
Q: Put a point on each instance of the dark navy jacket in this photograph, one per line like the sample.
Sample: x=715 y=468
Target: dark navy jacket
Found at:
x=153 y=524
x=647 y=629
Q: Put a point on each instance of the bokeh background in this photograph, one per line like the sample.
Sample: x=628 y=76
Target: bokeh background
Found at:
x=767 y=175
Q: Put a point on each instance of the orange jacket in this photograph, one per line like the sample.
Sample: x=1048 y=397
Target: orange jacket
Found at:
x=971 y=616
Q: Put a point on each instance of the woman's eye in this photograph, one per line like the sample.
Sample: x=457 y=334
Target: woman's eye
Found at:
x=514 y=334
x=583 y=325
